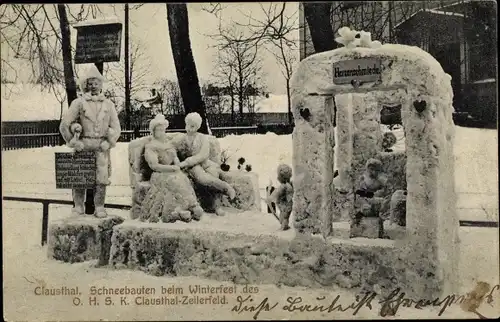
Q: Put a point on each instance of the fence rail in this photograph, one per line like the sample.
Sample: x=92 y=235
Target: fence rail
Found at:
x=38 y=140
x=46 y=202
x=177 y=121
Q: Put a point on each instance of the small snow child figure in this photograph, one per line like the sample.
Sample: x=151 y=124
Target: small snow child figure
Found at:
x=283 y=195
x=369 y=200
x=388 y=141
x=75 y=142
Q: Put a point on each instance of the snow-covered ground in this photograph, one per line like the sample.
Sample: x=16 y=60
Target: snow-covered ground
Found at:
x=31 y=173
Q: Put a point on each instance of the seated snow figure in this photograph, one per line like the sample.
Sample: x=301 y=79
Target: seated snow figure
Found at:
x=171 y=194
x=368 y=201
x=283 y=195
x=245 y=183
x=196 y=160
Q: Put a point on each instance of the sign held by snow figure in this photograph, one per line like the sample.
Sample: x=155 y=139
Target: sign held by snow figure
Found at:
x=75 y=170
x=98 y=42
x=358 y=70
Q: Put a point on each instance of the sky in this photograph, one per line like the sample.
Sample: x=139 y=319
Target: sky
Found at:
x=149 y=28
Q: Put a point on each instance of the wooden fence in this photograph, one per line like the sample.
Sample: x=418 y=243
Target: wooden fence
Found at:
x=36 y=134
x=38 y=140
x=215 y=120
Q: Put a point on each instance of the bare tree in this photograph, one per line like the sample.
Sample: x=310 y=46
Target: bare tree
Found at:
x=239 y=60
x=40 y=35
x=287 y=58
x=140 y=69
x=69 y=75
x=276 y=32
x=225 y=73
x=171 y=95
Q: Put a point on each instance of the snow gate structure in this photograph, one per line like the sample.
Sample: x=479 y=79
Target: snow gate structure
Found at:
x=427 y=256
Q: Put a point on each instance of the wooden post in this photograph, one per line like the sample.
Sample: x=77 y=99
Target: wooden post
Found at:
x=45 y=222
x=127 y=70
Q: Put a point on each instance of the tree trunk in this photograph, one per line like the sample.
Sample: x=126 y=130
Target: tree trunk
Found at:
x=69 y=76
x=178 y=28
x=240 y=101
x=289 y=102
x=128 y=70
x=232 y=108
x=317 y=15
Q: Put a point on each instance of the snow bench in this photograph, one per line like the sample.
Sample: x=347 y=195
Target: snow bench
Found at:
x=244 y=183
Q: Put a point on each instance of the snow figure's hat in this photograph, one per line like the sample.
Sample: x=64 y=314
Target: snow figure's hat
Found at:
x=92 y=72
x=158 y=120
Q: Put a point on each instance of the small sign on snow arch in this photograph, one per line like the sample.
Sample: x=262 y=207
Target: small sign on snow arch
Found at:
x=360 y=70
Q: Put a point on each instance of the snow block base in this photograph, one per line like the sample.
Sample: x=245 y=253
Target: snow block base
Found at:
x=81 y=238
x=232 y=248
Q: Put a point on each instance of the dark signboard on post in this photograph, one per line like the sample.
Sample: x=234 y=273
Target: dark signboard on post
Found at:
x=75 y=170
x=359 y=70
x=98 y=42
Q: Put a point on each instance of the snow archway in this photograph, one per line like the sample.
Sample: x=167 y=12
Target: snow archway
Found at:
x=414 y=78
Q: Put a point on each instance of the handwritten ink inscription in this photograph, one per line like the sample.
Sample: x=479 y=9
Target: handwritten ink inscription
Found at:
x=98 y=44
x=387 y=306
x=75 y=170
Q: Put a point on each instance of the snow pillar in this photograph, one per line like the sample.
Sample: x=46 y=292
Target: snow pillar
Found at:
x=366 y=141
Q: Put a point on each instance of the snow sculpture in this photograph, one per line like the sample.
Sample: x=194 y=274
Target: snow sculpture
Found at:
x=197 y=163
x=343 y=90
x=352 y=39
x=245 y=184
x=100 y=130
x=283 y=195
x=171 y=194
x=75 y=142
x=368 y=202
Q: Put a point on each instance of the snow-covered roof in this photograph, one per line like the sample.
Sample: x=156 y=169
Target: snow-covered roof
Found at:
x=457 y=3
x=484 y=81
x=273 y=104
x=94 y=22
x=432 y=11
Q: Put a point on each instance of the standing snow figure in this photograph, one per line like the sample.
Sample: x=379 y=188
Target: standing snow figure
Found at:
x=283 y=195
x=203 y=170
x=100 y=130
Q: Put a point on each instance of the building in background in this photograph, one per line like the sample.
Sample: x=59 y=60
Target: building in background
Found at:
x=461 y=35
